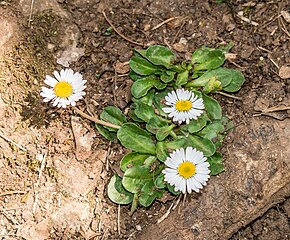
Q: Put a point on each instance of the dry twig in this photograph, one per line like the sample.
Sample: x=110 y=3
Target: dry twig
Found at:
x=12 y=192
x=120 y=34
x=172 y=207
x=38 y=182
x=14 y=143
x=94 y=119
x=272 y=109
x=30 y=13
x=118 y=219
x=229 y=96
x=164 y=22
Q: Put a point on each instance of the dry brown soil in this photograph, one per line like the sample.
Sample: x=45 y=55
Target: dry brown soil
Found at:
x=53 y=176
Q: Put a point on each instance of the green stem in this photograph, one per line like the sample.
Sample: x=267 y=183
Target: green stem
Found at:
x=96 y=120
x=134 y=203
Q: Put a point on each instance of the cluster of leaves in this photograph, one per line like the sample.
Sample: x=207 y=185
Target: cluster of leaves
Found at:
x=147 y=131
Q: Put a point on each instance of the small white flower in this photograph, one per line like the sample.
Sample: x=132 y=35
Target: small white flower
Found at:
x=66 y=88
x=184 y=105
x=187 y=170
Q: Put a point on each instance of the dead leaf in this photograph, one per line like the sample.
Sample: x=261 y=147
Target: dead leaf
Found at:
x=284 y=72
x=122 y=67
x=286 y=16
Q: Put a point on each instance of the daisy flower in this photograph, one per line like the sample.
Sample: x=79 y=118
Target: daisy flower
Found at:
x=183 y=105
x=186 y=170
x=66 y=88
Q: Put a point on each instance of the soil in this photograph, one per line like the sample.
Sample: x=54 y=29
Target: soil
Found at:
x=53 y=182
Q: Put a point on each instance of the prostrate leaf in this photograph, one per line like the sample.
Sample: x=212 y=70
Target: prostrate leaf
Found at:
x=142 y=66
x=238 y=80
x=212 y=107
x=135 y=138
x=133 y=159
x=207 y=58
x=216 y=165
x=113 y=115
x=160 y=55
x=117 y=193
x=142 y=86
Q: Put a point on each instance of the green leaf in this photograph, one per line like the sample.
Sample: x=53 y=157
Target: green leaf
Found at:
x=117 y=193
x=171 y=189
x=167 y=76
x=113 y=115
x=212 y=86
x=207 y=58
x=147 y=99
x=182 y=78
x=139 y=53
x=146 y=200
x=202 y=144
x=224 y=75
x=144 y=111
x=160 y=55
x=216 y=165
x=142 y=66
x=111 y=136
x=155 y=123
x=227 y=47
x=176 y=144
x=212 y=107
x=159 y=101
x=132 y=159
x=212 y=130
x=135 y=138
x=163 y=132
x=141 y=86
x=238 y=80
x=161 y=151
x=134 y=76
x=197 y=125
x=159 y=181
x=136 y=177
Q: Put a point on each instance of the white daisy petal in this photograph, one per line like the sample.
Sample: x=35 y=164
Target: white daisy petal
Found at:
x=65 y=89
x=50 y=81
x=57 y=75
x=187 y=170
x=183 y=105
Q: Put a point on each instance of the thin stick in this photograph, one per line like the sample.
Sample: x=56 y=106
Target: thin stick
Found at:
x=177 y=202
x=118 y=220
x=230 y=96
x=96 y=120
x=166 y=214
x=276 y=65
x=120 y=34
x=30 y=14
x=248 y=20
x=38 y=182
x=164 y=22
x=179 y=30
x=14 y=143
x=12 y=192
x=272 y=109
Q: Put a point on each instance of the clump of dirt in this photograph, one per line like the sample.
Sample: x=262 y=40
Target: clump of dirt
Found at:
x=28 y=63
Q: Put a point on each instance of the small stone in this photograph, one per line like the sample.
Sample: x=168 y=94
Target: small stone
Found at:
x=284 y=72
x=138 y=227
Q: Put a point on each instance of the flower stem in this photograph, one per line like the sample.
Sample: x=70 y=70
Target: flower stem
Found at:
x=96 y=120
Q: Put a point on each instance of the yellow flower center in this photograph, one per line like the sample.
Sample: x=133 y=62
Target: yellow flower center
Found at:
x=183 y=105
x=186 y=169
x=63 y=89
